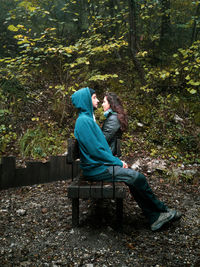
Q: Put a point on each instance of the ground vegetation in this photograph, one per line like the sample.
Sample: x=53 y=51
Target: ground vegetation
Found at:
x=145 y=51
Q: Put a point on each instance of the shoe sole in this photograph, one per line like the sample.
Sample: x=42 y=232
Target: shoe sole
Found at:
x=158 y=226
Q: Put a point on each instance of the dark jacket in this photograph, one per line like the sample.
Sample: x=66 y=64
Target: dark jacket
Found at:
x=111 y=130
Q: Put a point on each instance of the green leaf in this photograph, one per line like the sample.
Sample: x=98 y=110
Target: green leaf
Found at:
x=192 y=91
x=12 y=28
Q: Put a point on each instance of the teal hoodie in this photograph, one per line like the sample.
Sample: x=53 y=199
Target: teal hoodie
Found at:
x=93 y=146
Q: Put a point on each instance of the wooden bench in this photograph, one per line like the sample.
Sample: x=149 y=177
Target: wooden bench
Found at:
x=80 y=188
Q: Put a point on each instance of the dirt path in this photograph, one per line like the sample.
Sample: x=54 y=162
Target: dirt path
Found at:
x=35 y=228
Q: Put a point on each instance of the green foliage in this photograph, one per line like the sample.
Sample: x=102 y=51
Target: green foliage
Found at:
x=183 y=73
x=7 y=133
x=160 y=134
x=49 y=49
x=187 y=66
x=99 y=115
x=7 y=136
x=41 y=142
x=60 y=95
x=12 y=88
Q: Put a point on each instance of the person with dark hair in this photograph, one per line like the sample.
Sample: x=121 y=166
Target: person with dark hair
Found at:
x=99 y=164
x=116 y=121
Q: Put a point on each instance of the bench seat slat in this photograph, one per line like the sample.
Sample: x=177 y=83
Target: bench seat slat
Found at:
x=85 y=189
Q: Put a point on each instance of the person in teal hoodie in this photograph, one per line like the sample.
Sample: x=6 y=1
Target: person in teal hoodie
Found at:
x=97 y=161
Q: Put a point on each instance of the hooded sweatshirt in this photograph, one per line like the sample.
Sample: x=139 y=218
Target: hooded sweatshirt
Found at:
x=95 y=152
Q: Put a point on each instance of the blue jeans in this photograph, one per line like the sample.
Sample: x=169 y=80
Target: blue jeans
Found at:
x=151 y=206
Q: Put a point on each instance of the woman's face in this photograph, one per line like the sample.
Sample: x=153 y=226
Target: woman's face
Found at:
x=105 y=104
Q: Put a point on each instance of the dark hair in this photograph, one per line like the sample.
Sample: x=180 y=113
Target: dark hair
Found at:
x=117 y=106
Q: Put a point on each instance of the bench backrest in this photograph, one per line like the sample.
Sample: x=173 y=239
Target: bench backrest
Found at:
x=73 y=150
x=74 y=153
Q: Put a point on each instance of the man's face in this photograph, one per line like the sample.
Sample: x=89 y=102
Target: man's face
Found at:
x=95 y=101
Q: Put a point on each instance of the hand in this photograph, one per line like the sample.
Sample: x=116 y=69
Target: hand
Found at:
x=125 y=165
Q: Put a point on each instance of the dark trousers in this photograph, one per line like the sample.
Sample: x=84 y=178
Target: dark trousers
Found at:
x=151 y=206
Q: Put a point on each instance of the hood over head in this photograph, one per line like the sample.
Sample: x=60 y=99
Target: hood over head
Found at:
x=92 y=91
x=82 y=100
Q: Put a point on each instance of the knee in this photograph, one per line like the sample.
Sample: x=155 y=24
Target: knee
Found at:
x=140 y=180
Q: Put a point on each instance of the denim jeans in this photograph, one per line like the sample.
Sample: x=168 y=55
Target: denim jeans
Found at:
x=139 y=188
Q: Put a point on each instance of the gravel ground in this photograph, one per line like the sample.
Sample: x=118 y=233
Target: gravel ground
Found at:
x=36 y=230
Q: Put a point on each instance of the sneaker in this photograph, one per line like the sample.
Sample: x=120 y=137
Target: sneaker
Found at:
x=162 y=219
x=177 y=215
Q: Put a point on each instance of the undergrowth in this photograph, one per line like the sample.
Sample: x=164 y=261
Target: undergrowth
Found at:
x=160 y=126
x=42 y=141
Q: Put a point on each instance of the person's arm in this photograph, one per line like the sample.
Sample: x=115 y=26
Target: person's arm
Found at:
x=110 y=127
x=92 y=142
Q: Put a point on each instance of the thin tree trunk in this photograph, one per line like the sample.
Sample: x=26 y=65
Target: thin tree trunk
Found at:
x=133 y=40
x=194 y=30
x=165 y=32
x=83 y=16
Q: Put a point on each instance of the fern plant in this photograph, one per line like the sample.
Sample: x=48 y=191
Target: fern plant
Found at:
x=41 y=142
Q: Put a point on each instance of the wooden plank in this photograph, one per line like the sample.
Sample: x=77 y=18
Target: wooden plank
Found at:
x=8 y=165
x=73 y=190
x=84 y=191
x=72 y=151
x=107 y=191
x=97 y=191
x=75 y=211
x=58 y=168
x=119 y=211
x=21 y=177
x=33 y=172
x=44 y=171
x=36 y=172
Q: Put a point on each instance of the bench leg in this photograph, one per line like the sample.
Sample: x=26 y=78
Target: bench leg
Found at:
x=119 y=212
x=75 y=212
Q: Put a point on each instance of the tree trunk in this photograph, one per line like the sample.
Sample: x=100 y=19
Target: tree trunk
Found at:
x=83 y=16
x=194 y=30
x=133 y=40
x=165 y=33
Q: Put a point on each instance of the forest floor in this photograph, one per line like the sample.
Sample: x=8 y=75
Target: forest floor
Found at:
x=36 y=230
